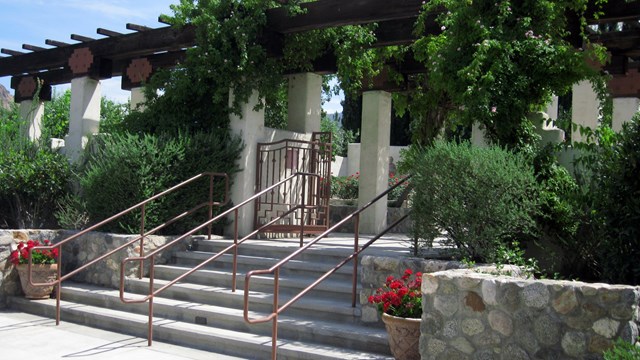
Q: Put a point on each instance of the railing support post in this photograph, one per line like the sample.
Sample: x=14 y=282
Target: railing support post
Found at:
x=274 y=326
x=235 y=251
x=354 y=276
x=150 y=321
x=141 y=270
x=210 y=206
x=59 y=285
x=304 y=203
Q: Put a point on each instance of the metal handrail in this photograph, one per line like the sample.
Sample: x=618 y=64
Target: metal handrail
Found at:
x=60 y=278
x=275 y=269
x=151 y=256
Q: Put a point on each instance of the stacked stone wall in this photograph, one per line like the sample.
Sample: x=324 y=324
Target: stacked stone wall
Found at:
x=79 y=252
x=471 y=315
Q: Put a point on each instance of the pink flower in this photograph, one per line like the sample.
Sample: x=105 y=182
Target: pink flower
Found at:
x=494 y=109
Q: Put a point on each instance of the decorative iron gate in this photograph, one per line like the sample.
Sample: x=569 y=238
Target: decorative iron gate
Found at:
x=278 y=160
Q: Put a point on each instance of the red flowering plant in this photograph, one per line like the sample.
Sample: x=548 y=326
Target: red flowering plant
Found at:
x=38 y=256
x=400 y=297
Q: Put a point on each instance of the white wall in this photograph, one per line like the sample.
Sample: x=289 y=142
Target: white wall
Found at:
x=353 y=157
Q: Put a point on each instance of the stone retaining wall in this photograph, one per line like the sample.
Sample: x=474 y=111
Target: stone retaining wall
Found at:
x=80 y=251
x=471 y=315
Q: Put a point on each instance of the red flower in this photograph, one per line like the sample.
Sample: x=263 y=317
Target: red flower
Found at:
x=38 y=256
x=400 y=297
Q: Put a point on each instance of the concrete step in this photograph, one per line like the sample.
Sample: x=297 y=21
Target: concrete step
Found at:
x=250 y=346
x=289 y=328
x=310 y=268
x=289 y=285
x=308 y=307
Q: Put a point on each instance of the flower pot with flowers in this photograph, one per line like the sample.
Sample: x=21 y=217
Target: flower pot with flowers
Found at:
x=44 y=268
x=400 y=303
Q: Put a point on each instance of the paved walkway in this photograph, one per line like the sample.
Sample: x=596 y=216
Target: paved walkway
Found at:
x=26 y=336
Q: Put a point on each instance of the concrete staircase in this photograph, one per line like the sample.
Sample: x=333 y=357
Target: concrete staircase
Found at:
x=203 y=313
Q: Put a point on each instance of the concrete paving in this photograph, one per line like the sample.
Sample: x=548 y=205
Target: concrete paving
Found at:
x=26 y=336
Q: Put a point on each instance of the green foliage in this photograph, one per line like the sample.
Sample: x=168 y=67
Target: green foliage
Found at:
x=341 y=136
x=125 y=169
x=615 y=174
x=494 y=62
x=55 y=121
x=345 y=187
x=112 y=114
x=623 y=350
x=32 y=179
x=482 y=199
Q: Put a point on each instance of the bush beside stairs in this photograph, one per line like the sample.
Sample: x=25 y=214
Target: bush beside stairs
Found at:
x=202 y=312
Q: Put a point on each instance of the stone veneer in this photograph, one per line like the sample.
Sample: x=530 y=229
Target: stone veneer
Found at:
x=471 y=315
x=80 y=251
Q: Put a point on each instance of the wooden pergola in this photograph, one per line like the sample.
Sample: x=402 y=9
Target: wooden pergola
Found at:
x=137 y=55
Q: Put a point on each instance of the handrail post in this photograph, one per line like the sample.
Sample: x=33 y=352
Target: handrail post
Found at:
x=210 y=205
x=150 y=321
x=302 y=208
x=354 y=276
x=141 y=270
x=235 y=252
x=59 y=285
x=274 y=326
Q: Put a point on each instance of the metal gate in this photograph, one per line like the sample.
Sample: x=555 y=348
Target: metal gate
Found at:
x=278 y=160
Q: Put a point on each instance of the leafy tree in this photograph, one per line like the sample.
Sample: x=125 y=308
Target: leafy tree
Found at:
x=494 y=62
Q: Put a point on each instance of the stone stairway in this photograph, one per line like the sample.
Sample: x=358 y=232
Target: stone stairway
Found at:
x=202 y=312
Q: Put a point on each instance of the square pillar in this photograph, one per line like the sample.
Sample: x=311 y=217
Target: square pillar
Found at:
x=137 y=99
x=477 y=136
x=623 y=111
x=374 y=159
x=84 y=117
x=585 y=108
x=552 y=109
x=31 y=115
x=305 y=102
x=249 y=126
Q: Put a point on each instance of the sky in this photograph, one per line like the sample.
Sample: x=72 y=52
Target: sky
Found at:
x=34 y=21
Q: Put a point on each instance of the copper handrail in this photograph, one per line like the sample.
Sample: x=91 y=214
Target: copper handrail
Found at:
x=151 y=256
x=275 y=269
x=60 y=278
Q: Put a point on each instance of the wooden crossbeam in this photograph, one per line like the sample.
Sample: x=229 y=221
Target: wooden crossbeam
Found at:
x=11 y=52
x=56 y=43
x=81 y=38
x=135 y=27
x=32 y=47
x=125 y=46
x=107 y=32
x=330 y=13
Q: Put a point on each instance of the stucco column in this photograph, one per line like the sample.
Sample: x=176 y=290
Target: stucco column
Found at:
x=137 y=99
x=477 y=136
x=84 y=117
x=374 y=159
x=305 y=102
x=31 y=114
x=585 y=108
x=623 y=111
x=250 y=126
x=552 y=108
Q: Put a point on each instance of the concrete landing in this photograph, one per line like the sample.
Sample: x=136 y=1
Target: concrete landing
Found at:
x=26 y=336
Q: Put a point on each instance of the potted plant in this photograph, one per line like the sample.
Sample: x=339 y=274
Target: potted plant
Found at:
x=44 y=268
x=400 y=303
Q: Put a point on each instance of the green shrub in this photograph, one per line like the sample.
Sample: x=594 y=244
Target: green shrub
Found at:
x=345 y=187
x=481 y=201
x=32 y=179
x=623 y=350
x=616 y=187
x=124 y=169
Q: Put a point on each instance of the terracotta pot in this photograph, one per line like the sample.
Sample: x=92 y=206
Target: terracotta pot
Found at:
x=40 y=273
x=404 y=336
